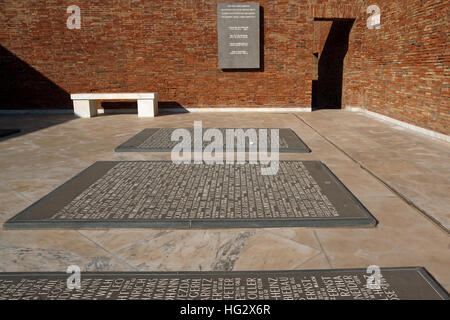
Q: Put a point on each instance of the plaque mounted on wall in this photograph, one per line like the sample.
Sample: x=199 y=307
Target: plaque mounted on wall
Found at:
x=238 y=31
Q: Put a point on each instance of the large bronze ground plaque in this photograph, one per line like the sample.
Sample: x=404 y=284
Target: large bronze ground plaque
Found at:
x=159 y=140
x=340 y=284
x=162 y=194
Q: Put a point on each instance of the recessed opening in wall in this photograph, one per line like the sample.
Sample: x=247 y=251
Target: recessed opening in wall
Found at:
x=331 y=39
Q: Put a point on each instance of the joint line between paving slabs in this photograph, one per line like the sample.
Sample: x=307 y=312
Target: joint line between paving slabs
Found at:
x=109 y=252
x=308 y=260
x=323 y=250
x=19 y=194
x=391 y=188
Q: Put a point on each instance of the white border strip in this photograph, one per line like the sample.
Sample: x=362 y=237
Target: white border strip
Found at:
x=381 y=117
x=204 y=110
x=168 y=110
x=194 y=110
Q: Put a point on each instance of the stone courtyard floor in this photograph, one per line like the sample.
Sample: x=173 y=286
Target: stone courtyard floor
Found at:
x=401 y=177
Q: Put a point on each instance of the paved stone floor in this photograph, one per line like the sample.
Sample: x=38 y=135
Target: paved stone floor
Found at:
x=358 y=149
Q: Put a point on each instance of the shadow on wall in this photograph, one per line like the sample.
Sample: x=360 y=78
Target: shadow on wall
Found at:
x=23 y=87
x=165 y=107
x=119 y=106
x=327 y=90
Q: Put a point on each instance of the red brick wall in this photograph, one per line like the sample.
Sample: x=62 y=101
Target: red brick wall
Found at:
x=321 y=30
x=167 y=46
x=170 y=46
x=407 y=63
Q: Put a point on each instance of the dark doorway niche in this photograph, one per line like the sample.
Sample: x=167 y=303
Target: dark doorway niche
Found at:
x=329 y=65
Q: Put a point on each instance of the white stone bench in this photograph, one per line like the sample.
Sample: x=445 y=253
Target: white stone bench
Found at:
x=85 y=104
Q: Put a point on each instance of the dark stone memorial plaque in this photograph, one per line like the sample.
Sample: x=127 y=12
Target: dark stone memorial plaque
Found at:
x=162 y=194
x=7 y=132
x=340 y=284
x=238 y=35
x=159 y=140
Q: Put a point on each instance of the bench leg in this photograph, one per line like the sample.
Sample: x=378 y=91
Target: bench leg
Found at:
x=85 y=108
x=147 y=108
